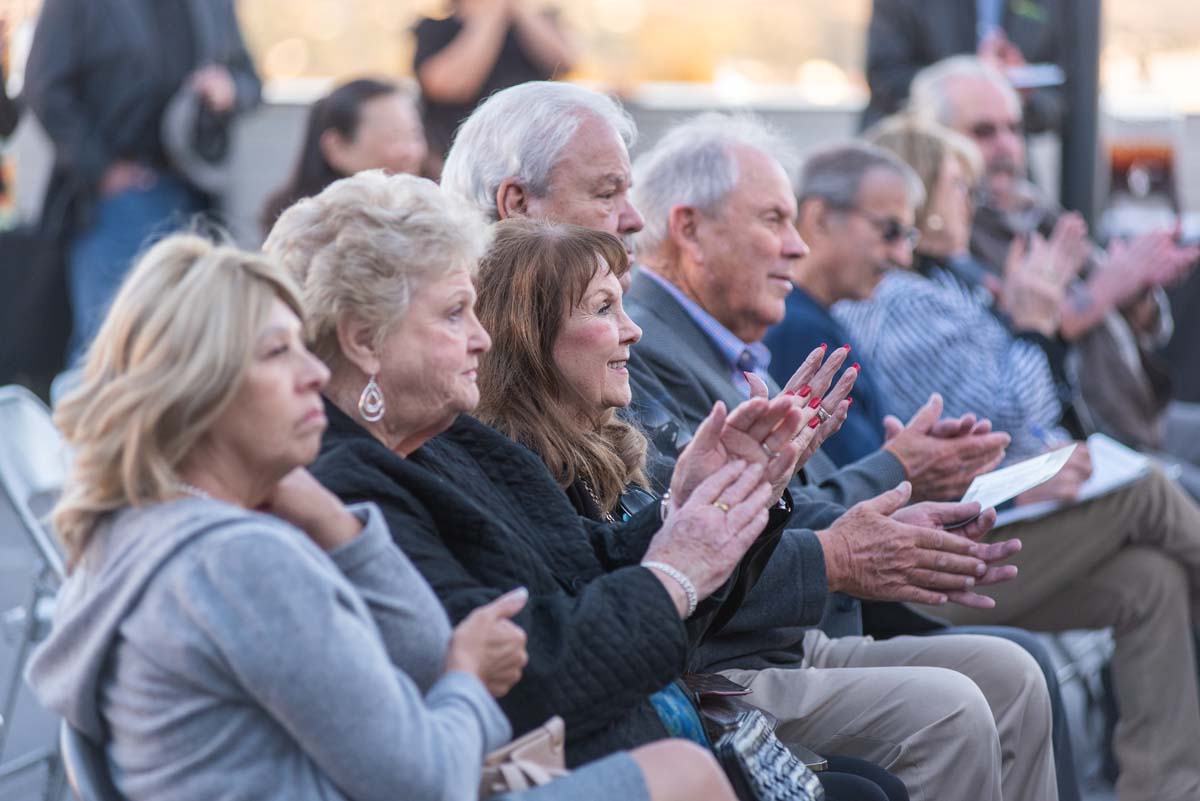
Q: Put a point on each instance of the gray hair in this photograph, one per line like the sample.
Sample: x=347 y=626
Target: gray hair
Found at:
x=835 y=174
x=929 y=95
x=366 y=244
x=695 y=164
x=520 y=133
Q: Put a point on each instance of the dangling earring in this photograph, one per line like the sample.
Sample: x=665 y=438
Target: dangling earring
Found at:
x=370 y=402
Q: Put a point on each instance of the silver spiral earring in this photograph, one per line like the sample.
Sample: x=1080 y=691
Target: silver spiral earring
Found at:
x=370 y=402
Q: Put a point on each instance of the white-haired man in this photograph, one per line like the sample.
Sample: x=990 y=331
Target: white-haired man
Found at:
x=1117 y=316
x=719 y=251
x=551 y=150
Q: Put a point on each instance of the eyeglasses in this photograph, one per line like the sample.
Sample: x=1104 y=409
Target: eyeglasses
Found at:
x=990 y=130
x=890 y=229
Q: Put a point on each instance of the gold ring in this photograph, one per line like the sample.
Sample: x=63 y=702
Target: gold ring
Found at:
x=724 y=507
x=822 y=415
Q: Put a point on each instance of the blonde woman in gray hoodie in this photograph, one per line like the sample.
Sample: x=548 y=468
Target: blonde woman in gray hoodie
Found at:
x=229 y=629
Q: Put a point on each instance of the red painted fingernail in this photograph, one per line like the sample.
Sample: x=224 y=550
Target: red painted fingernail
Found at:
x=824 y=346
x=857 y=369
x=805 y=391
x=814 y=403
x=847 y=347
x=849 y=402
x=789 y=392
x=813 y=423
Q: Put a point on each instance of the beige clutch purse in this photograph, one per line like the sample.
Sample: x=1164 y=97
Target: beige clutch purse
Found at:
x=534 y=759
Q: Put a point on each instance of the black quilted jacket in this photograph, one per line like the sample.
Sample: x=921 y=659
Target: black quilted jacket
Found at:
x=479 y=515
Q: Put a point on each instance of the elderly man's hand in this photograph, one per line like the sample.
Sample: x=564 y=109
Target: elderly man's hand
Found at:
x=943 y=515
x=941 y=459
x=873 y=553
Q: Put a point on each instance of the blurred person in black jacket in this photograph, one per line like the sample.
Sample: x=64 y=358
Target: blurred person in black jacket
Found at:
x=100 y=76
x=481 y=47
x=906 y=35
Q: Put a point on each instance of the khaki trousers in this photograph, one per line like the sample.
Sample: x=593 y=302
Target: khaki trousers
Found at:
x=1129 y=560
x=956 y=718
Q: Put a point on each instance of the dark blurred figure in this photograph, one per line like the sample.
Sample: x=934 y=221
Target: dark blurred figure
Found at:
x=361 y=125
x=100 y=77
x=483 y=46
x=9 y=111
x=906 y=35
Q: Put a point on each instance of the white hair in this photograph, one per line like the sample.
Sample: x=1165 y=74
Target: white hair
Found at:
x=520 y=133
x=929 y=95
x=695 y=164
x=366 y=244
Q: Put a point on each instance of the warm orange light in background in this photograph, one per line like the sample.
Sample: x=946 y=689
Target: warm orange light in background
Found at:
x=750 y=50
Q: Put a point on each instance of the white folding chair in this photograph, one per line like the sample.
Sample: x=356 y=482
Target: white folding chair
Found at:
x=33 y=461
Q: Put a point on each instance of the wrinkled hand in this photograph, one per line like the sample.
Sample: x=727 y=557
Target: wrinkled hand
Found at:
x=300 y=499
x=1033 y=288
x=488 y=644
x=216 y=87
x=871 y=554
x=1066 y=482
x=1069 y=247
x=757 y=432
x=943 y=515
x=1164 y=262
x=939 y=458
x=807 y=389
x=705 y=537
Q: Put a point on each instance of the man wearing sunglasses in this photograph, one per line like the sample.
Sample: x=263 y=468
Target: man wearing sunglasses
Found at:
x=1116 y=316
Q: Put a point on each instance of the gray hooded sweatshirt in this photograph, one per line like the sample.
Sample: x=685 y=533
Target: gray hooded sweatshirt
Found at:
x=221 y=655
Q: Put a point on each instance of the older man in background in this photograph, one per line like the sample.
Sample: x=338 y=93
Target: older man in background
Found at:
x=1116 y=316
x=1116 y=561
x=717 y=254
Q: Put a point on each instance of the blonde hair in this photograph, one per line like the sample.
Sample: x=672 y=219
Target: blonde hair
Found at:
x=168 y=359
x=366 y=244
x=924 y=145
x=530 y=281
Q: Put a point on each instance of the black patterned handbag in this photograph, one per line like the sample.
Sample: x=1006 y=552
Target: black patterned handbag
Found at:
x=758 y=765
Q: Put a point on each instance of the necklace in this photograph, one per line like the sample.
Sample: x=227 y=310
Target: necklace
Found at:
x=592 y=494
x=194 y=491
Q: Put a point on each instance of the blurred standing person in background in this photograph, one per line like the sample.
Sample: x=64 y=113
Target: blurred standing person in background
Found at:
x=100 y=77
x=361 y=125
x=481 y=47
x=10 y=113
x=906 y=35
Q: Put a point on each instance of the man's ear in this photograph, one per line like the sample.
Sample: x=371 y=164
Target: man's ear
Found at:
x=813 y=220
x=683 y=224
x=511 y=200
x=357 y=341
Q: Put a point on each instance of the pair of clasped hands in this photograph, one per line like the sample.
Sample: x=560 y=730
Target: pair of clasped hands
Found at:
x=741 y=461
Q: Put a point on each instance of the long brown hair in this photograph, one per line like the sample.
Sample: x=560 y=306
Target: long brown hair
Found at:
x=531 y=279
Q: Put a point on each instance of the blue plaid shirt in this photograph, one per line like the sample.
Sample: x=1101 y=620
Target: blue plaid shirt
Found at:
x=753 y=357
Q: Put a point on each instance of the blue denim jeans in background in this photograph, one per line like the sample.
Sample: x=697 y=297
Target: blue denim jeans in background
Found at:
x=102 y=253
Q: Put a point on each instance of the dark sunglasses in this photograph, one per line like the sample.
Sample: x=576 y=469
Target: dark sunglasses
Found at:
x=890 y=229
x=990 y=130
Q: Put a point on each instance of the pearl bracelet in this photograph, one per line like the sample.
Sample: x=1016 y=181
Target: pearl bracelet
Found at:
x=689 y=589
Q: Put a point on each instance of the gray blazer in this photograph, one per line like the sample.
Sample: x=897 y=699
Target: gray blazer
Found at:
x=678 y=362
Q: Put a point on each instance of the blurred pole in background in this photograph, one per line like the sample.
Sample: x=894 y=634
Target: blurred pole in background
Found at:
x=1081 y=120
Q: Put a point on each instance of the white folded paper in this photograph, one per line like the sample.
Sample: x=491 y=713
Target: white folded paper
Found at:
x=994 y=488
